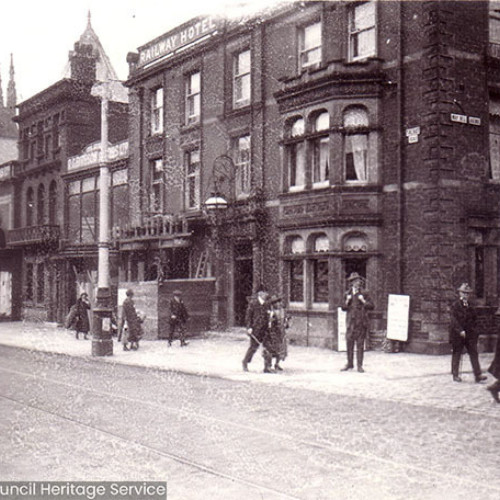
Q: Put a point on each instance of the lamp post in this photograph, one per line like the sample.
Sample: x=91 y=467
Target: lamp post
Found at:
x=102 y=342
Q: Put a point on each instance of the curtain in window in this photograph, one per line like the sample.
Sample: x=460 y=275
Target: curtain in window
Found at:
x=359 y=148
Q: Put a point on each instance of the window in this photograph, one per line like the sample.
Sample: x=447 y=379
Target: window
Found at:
x=494 y=126
x=310 y=46
x=356 y=145
x=157 y=185
x=52 y=202
x=321 y=152
x=40 y=283
x=362 y=42
x=120 y=200
x=193 y=95
x=241 y=79
x=319 y=271
x=56 y=136
x=83 y=210
x=29 y=282
x=243 y=165
x=296 y=271
x=30 y=207
x=48 y=146
x=297 y=156
x=157 y=111
x=40 y=208
x=192 y=190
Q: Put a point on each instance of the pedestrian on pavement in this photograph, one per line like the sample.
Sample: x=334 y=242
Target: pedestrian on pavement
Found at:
x=463 y=333
x=130 y=324
x=178 y=318
x=257 y=320
x=276 y=342
x=494 y=369
x=357 y=303
x=80 y=320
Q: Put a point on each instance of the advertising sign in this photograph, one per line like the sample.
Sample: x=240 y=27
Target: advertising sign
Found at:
x=398 y=313
x=341 y=330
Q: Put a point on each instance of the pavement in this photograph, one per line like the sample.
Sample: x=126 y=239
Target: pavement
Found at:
x=418 y=379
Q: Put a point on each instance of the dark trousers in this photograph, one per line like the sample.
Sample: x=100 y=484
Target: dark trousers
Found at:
x=252 y=348
x=179 y=326
x=457 y=348
x=360 y=350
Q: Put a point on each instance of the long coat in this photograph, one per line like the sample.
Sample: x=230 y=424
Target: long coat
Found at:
x=463 y=318
x=357 y=315
x=82 y=323
x=494 y=369
x=257 y=318
x=129 y=314
x=178 y=309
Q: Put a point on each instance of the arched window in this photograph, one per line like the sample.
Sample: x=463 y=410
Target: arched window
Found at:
x=52 y=202
x=30 y=208
x=355 y=243
x=296 y=154
x=321 y=150
x=40 y=205
x=319 y=270
x=356 y=145
x=296 y=270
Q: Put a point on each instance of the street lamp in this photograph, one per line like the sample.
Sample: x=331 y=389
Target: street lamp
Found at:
x=102 y=342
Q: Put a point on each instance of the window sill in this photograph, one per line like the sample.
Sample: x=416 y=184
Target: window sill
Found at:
x=295 y=189
x=321 y=185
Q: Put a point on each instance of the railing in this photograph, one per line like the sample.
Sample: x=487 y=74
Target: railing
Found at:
x=157 y=226
x=33 y=234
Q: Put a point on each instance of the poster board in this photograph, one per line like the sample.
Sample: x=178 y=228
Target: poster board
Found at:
x=341 y=330
x=398 y=314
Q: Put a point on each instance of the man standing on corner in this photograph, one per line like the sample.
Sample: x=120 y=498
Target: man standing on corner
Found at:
x=257 y=320
x=357 y=303
x=178 y=318
x=463 y=333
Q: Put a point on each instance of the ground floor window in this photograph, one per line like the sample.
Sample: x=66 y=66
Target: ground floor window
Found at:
x=297 y=281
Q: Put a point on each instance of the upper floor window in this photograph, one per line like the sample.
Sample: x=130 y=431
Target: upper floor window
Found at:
x=310 y=45
x=362 y=41
x=52 y=202
x=243 y=165
x=356 y=145
x=321 y=151
x=41 y=205
x=157 y=111
x=157 y=185
x=30 y=207
x=241 y=79
x=193 y=98
x=297 y=155
x=192 y=185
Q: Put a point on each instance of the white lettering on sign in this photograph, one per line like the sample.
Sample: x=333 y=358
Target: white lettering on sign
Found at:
x=398 y=313
x=474 y=120
x=458 y=118
x=412 y=139
x=174 y=40
x=412 y=131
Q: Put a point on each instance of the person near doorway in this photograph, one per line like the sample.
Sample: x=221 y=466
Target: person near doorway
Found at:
x=463 y=333
x=257 y=320
x=80 y=316
x=178 y=318
x=276 y=342
x=131 y=324
x=357 y=303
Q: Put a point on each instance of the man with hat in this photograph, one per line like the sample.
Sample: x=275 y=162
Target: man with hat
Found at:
x=133 y=331
x=257 y=320
x=357 y=303
x=463 y=333
x=178 y=318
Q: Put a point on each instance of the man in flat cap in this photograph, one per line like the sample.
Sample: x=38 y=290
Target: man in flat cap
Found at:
x=178 y=318
x=463 y=333
x=357 y=303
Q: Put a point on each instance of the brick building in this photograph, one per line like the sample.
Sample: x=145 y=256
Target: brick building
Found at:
x=55 y=200
x=344 y=136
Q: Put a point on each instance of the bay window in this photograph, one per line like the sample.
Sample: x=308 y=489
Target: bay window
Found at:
x=356 y=145
x=321 y=152
x=297 y=156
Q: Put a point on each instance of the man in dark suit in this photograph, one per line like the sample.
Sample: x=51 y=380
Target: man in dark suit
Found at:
x=257 y=320
x=178 y=318
x=463 y=333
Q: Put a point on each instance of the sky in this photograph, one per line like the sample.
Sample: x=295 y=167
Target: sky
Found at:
x=40 y=33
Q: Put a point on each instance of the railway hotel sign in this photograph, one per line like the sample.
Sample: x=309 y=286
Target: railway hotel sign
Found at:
x=171 y=42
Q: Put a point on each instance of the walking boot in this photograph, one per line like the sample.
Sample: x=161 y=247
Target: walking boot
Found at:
x=456 y=378
x=77 y=335
x=244 y=364
x=184 y=343
x=277 y=367
x=346 y=367
x=494 y=389
x=125 y=347
x=480 y=378
x=360 y=369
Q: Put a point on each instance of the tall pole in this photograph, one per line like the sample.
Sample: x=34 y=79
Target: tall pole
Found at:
x=102 y=342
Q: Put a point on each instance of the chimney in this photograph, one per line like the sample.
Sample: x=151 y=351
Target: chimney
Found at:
x=83 y=63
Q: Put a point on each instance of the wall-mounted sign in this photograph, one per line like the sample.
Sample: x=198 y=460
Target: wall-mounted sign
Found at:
x=92 y=155
x=474 y=120
x=174 y=40
x=458 y=118
x=412 y=139
x=412 y=131
x=398 y=313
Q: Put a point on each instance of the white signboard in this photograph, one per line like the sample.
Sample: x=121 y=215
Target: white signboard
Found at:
x=341 y=330
x=398 y=313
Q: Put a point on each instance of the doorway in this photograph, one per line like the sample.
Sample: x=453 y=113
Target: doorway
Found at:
x=243 y=281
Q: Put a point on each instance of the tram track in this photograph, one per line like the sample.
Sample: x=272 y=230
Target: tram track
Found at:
x=324 y=446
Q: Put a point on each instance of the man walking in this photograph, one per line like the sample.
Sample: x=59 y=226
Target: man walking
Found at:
x=178 y=318
x=357 y=303
x=257 y=320
x=463 y=333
